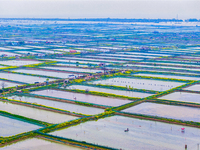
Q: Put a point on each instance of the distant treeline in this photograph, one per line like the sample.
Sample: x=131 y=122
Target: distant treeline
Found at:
x=107 y=19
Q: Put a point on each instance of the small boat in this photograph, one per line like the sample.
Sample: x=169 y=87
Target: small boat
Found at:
x=126 y=130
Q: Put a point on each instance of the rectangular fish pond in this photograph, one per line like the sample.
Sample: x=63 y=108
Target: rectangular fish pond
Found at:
x=38 y=144
x=74 y=69
x=148 y=84
x=23 y=78
x=110 y=58
x=182 y=96
x=166 y=111
x=193 y=88
x=124 y=55
x=82 y=97
x=19 y=62
x=60 y=105
x=95 y=60
x=66 y=64
x=168 y=76
x=111 y=91
x=9 y=127
x=142 y=134
x=74 y=61
x=34 y=113
x=2 y=66
x=45 y=73
x=6 y=84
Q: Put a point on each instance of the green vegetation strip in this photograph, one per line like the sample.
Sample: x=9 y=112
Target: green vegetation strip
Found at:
x=8 y=140
x=11 y=67
x=40 y=64
x=48 y=86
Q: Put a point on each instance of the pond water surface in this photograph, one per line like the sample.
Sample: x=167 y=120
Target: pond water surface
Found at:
x=193 y=88
x=38 y=144
x=60 y=105
x=23 y=78
x=166 y=111
x=38 y=114
x=148 y=84
x=142 y=135
x=9 y=127
x=111 y=91
x=82 y=97
x=168 y=76
x=45 y=73
x=182 y=96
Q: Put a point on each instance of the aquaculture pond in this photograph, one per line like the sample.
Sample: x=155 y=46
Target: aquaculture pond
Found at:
x=64 y=50
x=47 y=51
x=45 y=73
x=98 y=60
x=19 y=47
x=193 y=88
x=168 y=71
x=111 y=91
x=172 y=64
x=147 y=84
x=110 y=58
x=124 y=55
x=32 y=46
x=161 y=110
x=6 y=84
x=26 y=52
x=142 y=134
x=60 y=105
x=148 y=54
x=74 y=69
x=165 y=67
x=168 y=76
x=82 y=97
x=19 y=62
x=75 y=61
x=34 y=113
x=5 y=49
x=182 y=96
x=2 y=66
x=9 y=127
x=38 y=144
x=23 y=78
x=8 y=54
x=66 y=64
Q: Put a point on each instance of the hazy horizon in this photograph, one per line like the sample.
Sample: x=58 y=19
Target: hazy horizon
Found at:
x=149 y=9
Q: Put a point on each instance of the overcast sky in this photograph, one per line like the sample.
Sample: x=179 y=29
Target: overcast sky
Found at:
x=100 y=8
